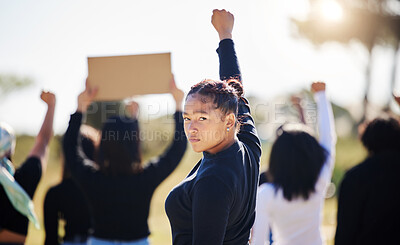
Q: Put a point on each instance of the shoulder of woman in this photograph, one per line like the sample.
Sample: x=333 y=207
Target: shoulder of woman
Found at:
x=222 y=170
x=213 y=180
x=266 y=192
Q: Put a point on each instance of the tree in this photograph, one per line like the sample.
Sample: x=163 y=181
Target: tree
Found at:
x=371 y=22
x=11 y=83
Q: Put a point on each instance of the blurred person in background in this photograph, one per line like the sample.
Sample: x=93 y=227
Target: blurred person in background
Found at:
x=66 y=201
x=369 y=196
x=300 y=170
x=120 y=189
x=296 y=103
x=215 y=204
x=18 y=186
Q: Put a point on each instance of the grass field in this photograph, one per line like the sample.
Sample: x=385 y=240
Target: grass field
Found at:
x=349 y=152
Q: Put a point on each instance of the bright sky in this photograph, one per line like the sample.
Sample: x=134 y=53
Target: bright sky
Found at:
x=49 y=40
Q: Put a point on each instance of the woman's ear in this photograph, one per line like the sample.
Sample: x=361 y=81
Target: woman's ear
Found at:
x=230 y=120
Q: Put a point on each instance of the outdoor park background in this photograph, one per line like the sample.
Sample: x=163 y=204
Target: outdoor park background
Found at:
x=349 y=152
x=282 y=46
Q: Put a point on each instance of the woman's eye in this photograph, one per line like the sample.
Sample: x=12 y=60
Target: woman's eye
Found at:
x=202 y=118
x=186 y=119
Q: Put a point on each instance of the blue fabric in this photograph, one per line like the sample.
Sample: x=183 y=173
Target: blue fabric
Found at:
x=75 y=243
x=96 y=241
x=7 y=164
x=27 y=176
x=17 y=196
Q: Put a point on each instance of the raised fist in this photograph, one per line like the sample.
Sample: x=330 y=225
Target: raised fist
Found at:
x=317 y=87
x=222 y=21
x=48 y=97
x=132 y=108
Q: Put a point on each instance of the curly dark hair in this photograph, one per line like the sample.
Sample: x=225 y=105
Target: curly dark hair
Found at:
x=224 y=94
x=381 y=134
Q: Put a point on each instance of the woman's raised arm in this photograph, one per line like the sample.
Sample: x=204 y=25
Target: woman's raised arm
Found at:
x=40 y=148
x=326 y=124
x=223 y=21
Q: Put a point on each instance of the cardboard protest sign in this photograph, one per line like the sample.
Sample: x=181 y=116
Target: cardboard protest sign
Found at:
x=119 y=77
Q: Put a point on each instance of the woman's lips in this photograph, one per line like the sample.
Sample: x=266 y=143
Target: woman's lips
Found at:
x=193 y=140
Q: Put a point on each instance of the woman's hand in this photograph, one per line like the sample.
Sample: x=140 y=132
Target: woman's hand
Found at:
x=317 y=87
x=177 y=93
x=48 y=97
x=86 y=97
x=132 y=108
x=222 y=21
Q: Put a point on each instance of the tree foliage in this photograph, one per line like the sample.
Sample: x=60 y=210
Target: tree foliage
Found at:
x=11 y=83
x=371 y=22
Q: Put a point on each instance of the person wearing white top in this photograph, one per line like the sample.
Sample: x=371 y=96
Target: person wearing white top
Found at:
x=300 y=170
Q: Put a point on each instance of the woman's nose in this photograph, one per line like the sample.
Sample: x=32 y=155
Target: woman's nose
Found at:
x=192 y=128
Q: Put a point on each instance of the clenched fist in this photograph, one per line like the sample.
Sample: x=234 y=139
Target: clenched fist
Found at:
x=317 y=87
x=222 y=21
x=48 y=97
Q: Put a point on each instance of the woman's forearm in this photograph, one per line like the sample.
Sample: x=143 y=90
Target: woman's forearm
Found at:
x=42 y=140
x=46 y=131
x=326 y=124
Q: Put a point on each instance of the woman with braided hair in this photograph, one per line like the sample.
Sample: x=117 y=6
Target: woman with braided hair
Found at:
x=215 y=204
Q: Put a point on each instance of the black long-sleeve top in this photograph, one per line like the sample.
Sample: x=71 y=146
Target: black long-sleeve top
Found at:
x=120 y=205
x=27 y=176
x=66 y=201
x=215 y=204
x=369 y=202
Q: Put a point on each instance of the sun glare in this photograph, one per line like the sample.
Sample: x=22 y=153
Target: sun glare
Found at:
x=330 y=10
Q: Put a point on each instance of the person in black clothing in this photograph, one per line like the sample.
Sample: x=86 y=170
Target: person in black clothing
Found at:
x=66 y=201
x=120 y=190
x=215 y=204
x=369 y=197
x=13 y=224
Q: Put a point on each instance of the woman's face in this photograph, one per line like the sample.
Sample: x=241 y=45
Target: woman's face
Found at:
x=205 y=126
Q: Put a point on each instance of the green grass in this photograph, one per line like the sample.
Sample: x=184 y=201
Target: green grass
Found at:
x=349 y=153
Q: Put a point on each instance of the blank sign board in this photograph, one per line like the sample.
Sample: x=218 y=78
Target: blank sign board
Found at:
x=119 y=77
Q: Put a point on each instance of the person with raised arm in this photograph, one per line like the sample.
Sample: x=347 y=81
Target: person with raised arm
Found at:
x=18 y=186
x=300 y=169
x=215 y=203
x=118 y=188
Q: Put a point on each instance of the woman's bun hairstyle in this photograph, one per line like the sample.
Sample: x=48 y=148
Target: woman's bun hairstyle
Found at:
x=236 y=85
